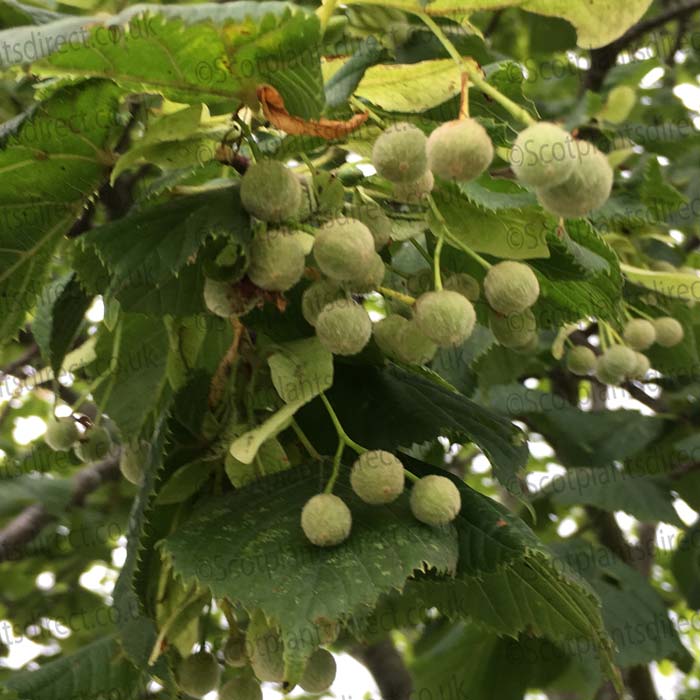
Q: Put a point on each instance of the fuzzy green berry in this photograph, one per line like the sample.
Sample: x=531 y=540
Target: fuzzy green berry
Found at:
x=616 y=364
x=464 y=284
x=435 y=500
x=415 y=191
x=639 y=334
x=265 y=651
x=642 y=367
x=374 y=218
x=587 y=189
x=668 y=331
x=94 y=445
x=270 y=191
x=316 y=297
x=543 y=155
x=420 y=282
x=225 y=300
x=511 y=287
x=377 y=477
x=399 y=154
x=343 y=249
x=445 y=317
x=412 y=345
x=459 y=150
x=235 y=649
x=371 y=279
x=277 y=260
x=581 y=360
x=241 y=689
x=198 y=674
x=344 y=327
x=326 y=520
x=386 y=332
x=61 y=434
x=514 y=330
x=216 y=297
x=319 y=673
x=132 y=461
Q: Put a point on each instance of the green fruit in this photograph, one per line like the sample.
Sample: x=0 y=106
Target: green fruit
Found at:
x=225 y=300
x=413 y=192
x=319 y=673
x=464 y=284
x=642 y=367
x=344 y=327
x=412 y=345
x=587 y=189
x=61 y=434
x=270 y=191
x=447 y=318
x=639 y=334
x=532 y=345
x=616 y=364
x=198 y=674
x=668 y=331
x=94 y=445
x=386 y=332
x=132 y=461
x=435 y=500
x=377 y=477
x=235 y=649
x=459 y=150
x=343 y=249
x=371 y=279
x=543 y=155
x=420 y=282
x=316 y=296
x=399 y=154
x=511 y=287
x=241 y=689
x=581 y=360
x=326 y=520
x=515 y=330
x=620 y=103
x=265 y=649
x=374 y=218
x=277 y=260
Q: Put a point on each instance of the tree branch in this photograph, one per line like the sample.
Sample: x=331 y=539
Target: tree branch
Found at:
x=20 y=531
x=387 y=666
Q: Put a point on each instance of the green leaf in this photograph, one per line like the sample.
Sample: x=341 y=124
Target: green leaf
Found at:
x=94 y=670
x=609 y=488
x=59 y=316
x=55 y=159
x=516 y=234
x=343 y=81
x=387 y=408
x=635 y=615
x=685 y=566
x=250 y=548
x=677 y=285
x=301 y=370
x=135 y=360
x=185 y=482
x=54 y=494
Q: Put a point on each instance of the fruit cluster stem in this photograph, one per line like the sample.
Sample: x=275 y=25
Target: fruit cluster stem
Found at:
x=436 y=262
x=405 y=298
x=474 y=74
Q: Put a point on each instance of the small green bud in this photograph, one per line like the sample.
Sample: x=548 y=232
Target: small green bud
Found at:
x=198 y=674
x=581 y=360
x=669 y=332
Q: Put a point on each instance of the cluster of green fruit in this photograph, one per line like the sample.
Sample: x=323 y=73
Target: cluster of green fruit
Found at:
x=258 y=653
x=377 y=478
x=95 y=444
x=619 y=362
x=571 y=177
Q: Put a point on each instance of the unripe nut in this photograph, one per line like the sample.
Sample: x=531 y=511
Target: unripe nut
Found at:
x=669 y=332
x=463 y=283
x=270 y=191
x=344 y=327
x=94 y=445
x=511 y=287
x=639 y=334
x=377 y=477
x=199 y=674
x=277 y=260
x=415 y=191
x=61 y=434
x=514 y=330
x=241 y=689
x=459 y=150
x=316 y=296
x=543 y=155
x=445 y=317
x=343 y=249
x=326 y=520
x=399 y=153
x=615 y=364
x=319 y=673
x=235 y=650
x=435 y=500
x=581 y=360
